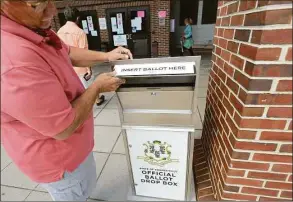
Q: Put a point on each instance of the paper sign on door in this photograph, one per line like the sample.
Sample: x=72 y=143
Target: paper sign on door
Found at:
x=90 y=23
x=114 y=24
x=120 y=29
x=103 y=24
x=120 y=40
x=140 y=14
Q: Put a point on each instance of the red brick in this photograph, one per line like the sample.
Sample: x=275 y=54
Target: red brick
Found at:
x=221 y=32
x=226 y=55
x=218 y=22
x=237 y=20
x=244 y=181
x=254 y=146
x=204 y=185
x=238 y=196
x=268 y=54
x=279 y=185
x=287 y=194
x=232 y=85
x=270 y=2
x=257 y=191
x=237 y=61
x=218 y=50
x=228 y=106
x=232 y=8
x=248 y=51
x=286 y=148
x=247 y=5
x=221 y=3
x=223 y=43
x=282 y=168
x=228 y=69
x=269 y=36
x=233 y=46
x=240 y=155
x=263 y=124
x=276 y=136
x=231 y=188
x=205 y=192
x=268 y=99
x=285 y=85
x=269 y=17
x=280 y=112
x=262 y=198
x=289 y=54
x=272 y=158
x=242 y=35
x=250 y=165
x=252 y=111
x=236 y=103
x=236 y=173
x=225 y=21
x=266 y=176
x=232 y=125
x=290 y=178
x=223 y=11
x=244 y=134
x=229 y=33
x=268 y=70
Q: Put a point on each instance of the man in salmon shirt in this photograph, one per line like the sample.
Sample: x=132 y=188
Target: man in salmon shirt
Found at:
x=72 y=35
x=47 y=122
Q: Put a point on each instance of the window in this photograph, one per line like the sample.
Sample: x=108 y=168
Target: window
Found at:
x=209 y=11
x=188 y=9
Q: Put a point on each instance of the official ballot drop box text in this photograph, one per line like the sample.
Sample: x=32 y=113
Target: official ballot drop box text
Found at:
x=157 y=107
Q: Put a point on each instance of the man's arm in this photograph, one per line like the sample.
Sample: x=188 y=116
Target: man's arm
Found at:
x=85 y=58
x=40 y=102
x=83 y=105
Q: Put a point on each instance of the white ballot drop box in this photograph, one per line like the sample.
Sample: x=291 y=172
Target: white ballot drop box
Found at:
x=157 y=107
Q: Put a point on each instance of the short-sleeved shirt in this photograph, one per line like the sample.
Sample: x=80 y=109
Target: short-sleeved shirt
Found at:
x=38 y=85
x=72 y=35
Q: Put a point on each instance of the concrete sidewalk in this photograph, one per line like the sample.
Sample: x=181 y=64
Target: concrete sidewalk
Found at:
x=109 y=152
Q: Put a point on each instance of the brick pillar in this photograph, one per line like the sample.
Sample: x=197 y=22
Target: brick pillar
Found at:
x=247 y=133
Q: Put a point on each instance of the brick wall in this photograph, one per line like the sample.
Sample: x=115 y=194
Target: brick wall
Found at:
x=247 y=133
x=158 y=33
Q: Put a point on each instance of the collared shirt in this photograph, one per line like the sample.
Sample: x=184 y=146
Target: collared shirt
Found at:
x=38 y=85
x=72 y=35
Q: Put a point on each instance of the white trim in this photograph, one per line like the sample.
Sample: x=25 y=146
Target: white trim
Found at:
x=151 y=111
x=177 y=129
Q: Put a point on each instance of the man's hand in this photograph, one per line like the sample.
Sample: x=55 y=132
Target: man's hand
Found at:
x=119 y=53
x=107 y=82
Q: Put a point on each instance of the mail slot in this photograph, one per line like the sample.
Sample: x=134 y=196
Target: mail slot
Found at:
x=157 y=107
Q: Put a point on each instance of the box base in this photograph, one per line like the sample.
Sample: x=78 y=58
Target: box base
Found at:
x=132 y=197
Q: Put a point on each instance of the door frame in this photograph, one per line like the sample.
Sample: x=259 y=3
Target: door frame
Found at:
x=127 y=10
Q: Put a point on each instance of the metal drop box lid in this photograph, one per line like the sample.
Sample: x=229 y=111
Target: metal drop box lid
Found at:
x=158 y=72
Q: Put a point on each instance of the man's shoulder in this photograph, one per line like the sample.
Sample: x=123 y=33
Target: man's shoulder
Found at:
x=72 y=29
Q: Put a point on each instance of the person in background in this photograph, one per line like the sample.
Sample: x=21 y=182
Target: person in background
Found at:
x=74 y=36
x=187 y=36
x=47 y=124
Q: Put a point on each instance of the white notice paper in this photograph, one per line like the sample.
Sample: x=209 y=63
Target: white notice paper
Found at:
x=114 y=24
x=138 y=22
x=155 y=69
x=84 y=24
x=90 y=23
x=172 y=25
x=94 y=33
x=120 y=29
x=120 y=40
x=103 y=24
